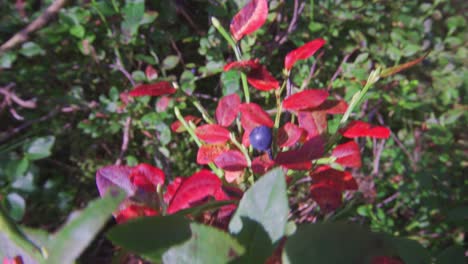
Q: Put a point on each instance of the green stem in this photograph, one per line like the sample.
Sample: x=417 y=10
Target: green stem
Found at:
x=203 y=111
x=279 y=109
x=237 y=52
x=191 y=131
x=13 y=233
x=242 y=148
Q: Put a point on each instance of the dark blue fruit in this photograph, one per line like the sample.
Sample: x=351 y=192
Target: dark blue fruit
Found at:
x=260 y=138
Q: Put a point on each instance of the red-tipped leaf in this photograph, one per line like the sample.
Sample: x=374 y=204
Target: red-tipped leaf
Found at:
x=151 y=73
x=147 y=177
x=177 y=126
x=303 y=52
x=362 y=129
x=227 y=109
x=250 y=18
x=212 y=133
x=153 y=89
x=332 y=107
x=305 y=100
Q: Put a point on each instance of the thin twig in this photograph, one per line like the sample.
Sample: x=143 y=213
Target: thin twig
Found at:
x=306 y=81
x=179 y=54
x=378 y=148
x=38 y=23
x=293 y=23
x=125 y=140
x=340 y=68
x=388 y=199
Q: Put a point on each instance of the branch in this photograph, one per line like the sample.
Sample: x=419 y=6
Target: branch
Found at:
x=125 y=139
x=38 y=23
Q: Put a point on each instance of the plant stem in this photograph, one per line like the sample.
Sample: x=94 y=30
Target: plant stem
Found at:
x=203 y=111
x=191 y=131
x=242 y=148
x=13 y=233
x=237 y=52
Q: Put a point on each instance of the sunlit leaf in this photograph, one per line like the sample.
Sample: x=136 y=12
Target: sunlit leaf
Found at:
x=212 y=133
x=252 y=115
x=207 y=153
x=348 y=154
x=315 y=123
x=305 y=99
x=362 y=129
x=232 y=160
x=289 y=134
x=303 y=52
x=250 y=18
x=154 y=89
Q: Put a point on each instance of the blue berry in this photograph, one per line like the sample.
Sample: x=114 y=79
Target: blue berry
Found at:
x=260 y=138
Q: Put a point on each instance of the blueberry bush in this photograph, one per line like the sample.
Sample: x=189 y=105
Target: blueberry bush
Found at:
x=243 y=131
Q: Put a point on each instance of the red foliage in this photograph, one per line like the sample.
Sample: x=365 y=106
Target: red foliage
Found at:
x=348 y=155
x=154 y=89
x=231 y=160
x=303 y=52
x=227 y=109
x=257 y=75
x=250 y=18
x=151 y=73
x=289 y=134
x=207 y=153
x=385 y=260
x=300 y=159
x=252 y=115
x=212 y=133
x=315 y=123
x=362 y=129
x=305 y=100
x=147 y=177
x=194 y=189
x=134 y=211
x=262 y=164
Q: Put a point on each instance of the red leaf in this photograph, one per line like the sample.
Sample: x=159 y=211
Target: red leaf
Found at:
x=134 y=211
x=207 y=153
x=114 y=177
x=362 y=129
x=212 y=133
x=172 y=189
x=154 y=89
x=305 y=99
x=300 y=159
x=332 y=107
x=303 y=52
x=147 y=177
x=250 y=18
x=232 y=160
x=194 y=189
x=227 y=109
x=348 y=155
x=231 y=176
x=262 y=164
x=315 y=123
x=257 y=74
x=252 y=115
x=244 y=66
x=177 y=125
x=328 y=198
x=261 y=79
x=289 y=134
x=17 y=259
x=151 y=73
x=340 y=180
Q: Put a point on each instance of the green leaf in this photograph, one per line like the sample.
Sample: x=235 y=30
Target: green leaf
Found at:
x=262 y=215
x=30 y=49
x=334 y=243
x=133 y=13
x=16 y=205
x=77 y=31
x=71 y=240
x=170 y=62
x=7 y=59
x=411 y=251
x=39 y=148
x=230 y=81
x=207 y=245
x=151 y=236
x=452 y=255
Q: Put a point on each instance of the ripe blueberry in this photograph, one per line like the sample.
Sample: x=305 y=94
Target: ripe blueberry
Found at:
x=260 y=138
